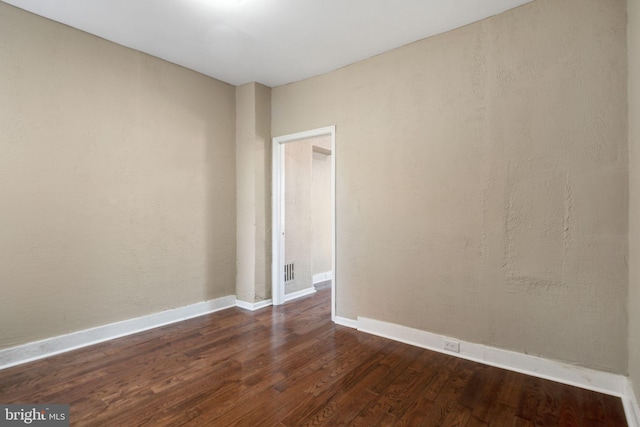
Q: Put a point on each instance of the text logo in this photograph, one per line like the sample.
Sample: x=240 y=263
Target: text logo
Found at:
x=34 y=415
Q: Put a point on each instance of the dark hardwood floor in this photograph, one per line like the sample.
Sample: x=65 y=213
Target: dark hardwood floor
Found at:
x=286 y=366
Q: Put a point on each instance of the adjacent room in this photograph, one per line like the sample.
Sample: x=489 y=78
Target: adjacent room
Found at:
x=466 y=213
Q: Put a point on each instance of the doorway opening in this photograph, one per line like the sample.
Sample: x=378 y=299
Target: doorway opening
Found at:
x=283 y=268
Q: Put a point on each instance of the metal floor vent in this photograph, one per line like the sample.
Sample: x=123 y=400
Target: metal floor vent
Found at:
x=288 y=272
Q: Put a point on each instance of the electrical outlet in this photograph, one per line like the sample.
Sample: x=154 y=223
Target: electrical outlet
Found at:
x=451 y=345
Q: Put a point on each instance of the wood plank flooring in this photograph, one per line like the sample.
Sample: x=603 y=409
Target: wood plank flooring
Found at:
x=291 y=366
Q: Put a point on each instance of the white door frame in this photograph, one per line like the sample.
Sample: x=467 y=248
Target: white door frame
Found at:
x=277 y=206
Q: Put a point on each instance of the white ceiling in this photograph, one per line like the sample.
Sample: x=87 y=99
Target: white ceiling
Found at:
x=273 y=42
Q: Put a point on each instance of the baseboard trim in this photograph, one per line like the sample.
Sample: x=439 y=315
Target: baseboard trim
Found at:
x=299 y=294
x=255 y=305
x=630 y=403
x=343 y=321
x=322 y=277
x=51 y=346
x=603 y=382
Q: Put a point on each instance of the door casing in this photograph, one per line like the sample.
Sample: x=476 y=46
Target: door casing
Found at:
x=277 y=204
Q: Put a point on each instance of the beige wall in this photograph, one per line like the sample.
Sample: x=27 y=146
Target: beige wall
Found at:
x=321 y=211
x=633 y=31
x=297 y=213
x=253 y=192
x=245 y=193
x=263 y=192
x=482 y=181
x=117 y=182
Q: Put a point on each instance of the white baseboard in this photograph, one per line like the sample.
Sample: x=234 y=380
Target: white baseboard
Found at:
x=51 y=346
x=603 y=382
x=322 y=277
x=299 y=294
x=343 y=321
x=253 y=306
x=631 y=408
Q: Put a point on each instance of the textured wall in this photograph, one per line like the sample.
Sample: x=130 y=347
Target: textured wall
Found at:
x=117 y=182
x=297 y=213
x=263 y=154
x=253 y=192
x=245 y=193
x=633 y=32
x=482 y=181
x=321 y=211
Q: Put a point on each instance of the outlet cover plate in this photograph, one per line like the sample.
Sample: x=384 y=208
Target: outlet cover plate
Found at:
x=451 y=345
